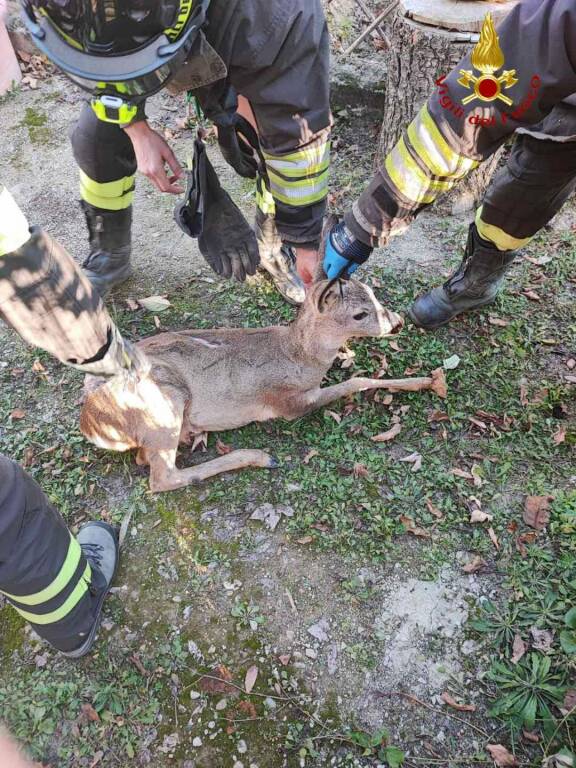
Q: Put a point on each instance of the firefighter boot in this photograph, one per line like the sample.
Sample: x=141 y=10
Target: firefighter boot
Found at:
x=108 y=263
x=475 y=283
x=99 y=544
x=278 y=260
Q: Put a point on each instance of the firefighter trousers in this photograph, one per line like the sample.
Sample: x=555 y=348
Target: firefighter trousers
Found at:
x=43 y=571
x=538 y=178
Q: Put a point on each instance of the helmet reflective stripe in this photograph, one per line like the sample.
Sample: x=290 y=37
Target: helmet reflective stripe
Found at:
x=183 y=16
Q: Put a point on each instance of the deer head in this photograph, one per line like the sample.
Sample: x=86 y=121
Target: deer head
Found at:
x=352 y=308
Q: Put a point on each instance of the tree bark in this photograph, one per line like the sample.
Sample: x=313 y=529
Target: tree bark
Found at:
x=418 y=55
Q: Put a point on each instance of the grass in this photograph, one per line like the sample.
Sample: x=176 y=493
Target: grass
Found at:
x=508 y=380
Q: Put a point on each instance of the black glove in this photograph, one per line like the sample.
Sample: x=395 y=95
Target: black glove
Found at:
x=225 y=238
x=236 y=142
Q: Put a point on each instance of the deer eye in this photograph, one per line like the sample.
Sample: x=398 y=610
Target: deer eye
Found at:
x=360 y=315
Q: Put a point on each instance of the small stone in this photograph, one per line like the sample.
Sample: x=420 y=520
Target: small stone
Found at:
x=311 y=653
x=195 y=694
x=238 y=764
x=222 y=704
x=319 y=630
x=211 y=724
x=212 y=649
x=197 y=741
x=176 y=599
x=269 y=703
x=242 y=747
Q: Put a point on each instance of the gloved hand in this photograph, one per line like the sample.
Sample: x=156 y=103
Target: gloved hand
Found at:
x=235 y=149
x=344 y=253
x=225 y=238
x=116 y=357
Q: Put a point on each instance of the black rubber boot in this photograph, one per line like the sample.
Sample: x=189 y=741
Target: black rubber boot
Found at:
x=108 y=264
x=99 y=544
x=475 y=283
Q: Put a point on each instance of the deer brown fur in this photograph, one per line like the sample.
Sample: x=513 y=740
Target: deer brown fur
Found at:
x=212 y=380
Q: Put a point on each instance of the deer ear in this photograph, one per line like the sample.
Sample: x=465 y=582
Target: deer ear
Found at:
x=331 y=293
x=329 y=222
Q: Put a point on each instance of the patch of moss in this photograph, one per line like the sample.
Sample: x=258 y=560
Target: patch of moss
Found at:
x=12 y=635
x=36 y=121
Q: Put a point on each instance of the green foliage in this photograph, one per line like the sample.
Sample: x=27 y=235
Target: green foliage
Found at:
x=568 y=636
x=528 y=690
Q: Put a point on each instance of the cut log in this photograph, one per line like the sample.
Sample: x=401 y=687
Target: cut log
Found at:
x=428 y=38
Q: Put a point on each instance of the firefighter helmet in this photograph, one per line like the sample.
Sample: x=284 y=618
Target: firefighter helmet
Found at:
x=123 y=50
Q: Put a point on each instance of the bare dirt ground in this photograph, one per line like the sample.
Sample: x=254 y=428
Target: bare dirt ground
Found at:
x=356 y=627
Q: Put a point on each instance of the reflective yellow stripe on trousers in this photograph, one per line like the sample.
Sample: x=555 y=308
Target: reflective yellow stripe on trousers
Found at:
x=110 y=195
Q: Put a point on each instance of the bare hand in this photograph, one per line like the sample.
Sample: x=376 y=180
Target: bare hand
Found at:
x=152 y=155
x=306 y=262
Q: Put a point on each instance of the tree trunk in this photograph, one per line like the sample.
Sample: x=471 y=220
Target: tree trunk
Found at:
x=419 y=54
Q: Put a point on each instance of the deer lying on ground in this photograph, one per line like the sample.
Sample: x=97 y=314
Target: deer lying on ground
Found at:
x=208 y=381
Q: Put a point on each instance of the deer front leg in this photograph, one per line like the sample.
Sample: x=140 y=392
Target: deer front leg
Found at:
x=164 y=476
x=320 y=397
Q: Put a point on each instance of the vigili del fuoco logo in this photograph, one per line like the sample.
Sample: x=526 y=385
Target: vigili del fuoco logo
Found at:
x=487 y=58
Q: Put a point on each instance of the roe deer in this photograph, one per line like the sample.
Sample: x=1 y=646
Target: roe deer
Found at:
x=206 y=381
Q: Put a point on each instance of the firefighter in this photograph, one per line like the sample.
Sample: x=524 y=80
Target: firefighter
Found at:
x=272 y=53
x=538 y=41
x=57 y=582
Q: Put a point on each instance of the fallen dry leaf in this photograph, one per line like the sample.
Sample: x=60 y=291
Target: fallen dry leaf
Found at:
x=524 y=395
x=395 y=346
x=493 y=320
x=96 y=758
x=493 y=538
x=474 y=565
x=478 y=516
x=477 y=423
x=155 y=303
x=37 y=367
x=384 y=437
x=17 y=414
x=285 y=659
x=542 y=639
x=438 y=416
x=89 y=713
x=519 y=648
x=310 y=455
x=447 y=699
x=559 y=436
x=569 y=703
x=537 y=511
x=532 y=295
x=434 y=510
x=531 y=737
x=415 y=459
x=412 y=528
x=525 y=538
x=132 y=305
x=222 y=448
x=220 y=684
x=462 y=473
x=247 y=708
x=250 y=678
x=336 y=416
x=570 y=363
x=305 y=540
x=501 y=756
x=360 y=470
x=200 y=442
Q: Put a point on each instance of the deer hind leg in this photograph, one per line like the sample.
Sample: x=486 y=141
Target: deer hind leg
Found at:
x=165 y=476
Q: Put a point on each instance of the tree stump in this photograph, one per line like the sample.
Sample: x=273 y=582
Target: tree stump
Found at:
x=428 y=38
